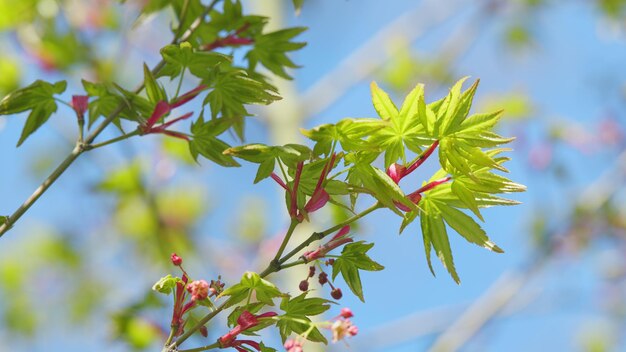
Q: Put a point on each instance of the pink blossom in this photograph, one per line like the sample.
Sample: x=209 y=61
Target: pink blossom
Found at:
x=292 y=345
x=199 y=290
x=343 y=328
x=346 y=313
x=176 y=260
x=80 y=103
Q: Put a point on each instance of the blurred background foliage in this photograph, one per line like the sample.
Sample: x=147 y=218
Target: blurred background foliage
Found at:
x=76 y=275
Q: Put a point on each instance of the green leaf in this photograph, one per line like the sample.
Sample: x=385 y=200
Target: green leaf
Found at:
x=300 y=305
x=266 y=348
x=409 y=111
x=232 y=89
x=250 y=283
x=211 y=148
x=155 y=92
x=467 y=197
x=206 y=143
x=270 y=50
x=434 y=228
x=297 y=4
x=354 y=258
x=199 y=63
x=265 y=170
x=382 y=103
x=467 y=227
x=38 y=98
x=296 y=318
x=448 y=109
x=254 y=153
x=166 y=284
x=480 y=122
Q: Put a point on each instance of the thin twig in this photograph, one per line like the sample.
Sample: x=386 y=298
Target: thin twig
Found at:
x=80 y=147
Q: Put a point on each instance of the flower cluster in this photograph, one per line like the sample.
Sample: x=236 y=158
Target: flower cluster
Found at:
x=198 y=289
x=342 y=327
x=322 y=279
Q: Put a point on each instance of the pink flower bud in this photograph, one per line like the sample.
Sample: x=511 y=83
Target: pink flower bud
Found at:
x=346 y=313
x=293 y=346
x=304 y=285
x=80 y=103
x=199 y=290
x=176 y=260
x=396 y=172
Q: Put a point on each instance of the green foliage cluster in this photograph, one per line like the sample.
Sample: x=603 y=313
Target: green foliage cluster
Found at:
x=345 y=161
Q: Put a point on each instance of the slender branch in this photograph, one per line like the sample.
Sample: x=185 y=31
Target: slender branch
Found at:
x=316 y=236
x=49 y=181
x=111 y=141
x=203 y=348
x=180 y=81
x=205 y=319
x=294 y=263
x=170 y=337
x=9 y=221
x=292 y=227
x=183 y=16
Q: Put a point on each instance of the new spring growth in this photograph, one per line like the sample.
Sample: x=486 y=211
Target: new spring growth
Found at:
x=234 y=39
x=416 y=196
x=80 y=103
x=163 y=108
x=342 y=327
x=245 y=321
x=337 y=240
x=397 y=171
x=319 y=197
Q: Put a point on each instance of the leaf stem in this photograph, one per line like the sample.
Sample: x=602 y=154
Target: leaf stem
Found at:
x=205 y=319
x=180 y=82
x=203 y=348
x=113 y=140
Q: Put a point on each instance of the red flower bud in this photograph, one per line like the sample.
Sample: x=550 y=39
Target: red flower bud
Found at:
x=336 y=293
x=311 y=271
x=323 y=278
x=304 y=285
x=204 y=331
x=346 y=313
x=176 y=260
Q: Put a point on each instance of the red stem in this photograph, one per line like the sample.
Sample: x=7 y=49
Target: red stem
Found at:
x=423 y=157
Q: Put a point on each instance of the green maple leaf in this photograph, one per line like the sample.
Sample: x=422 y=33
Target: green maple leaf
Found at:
x=352 y=259
x=38 y=98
